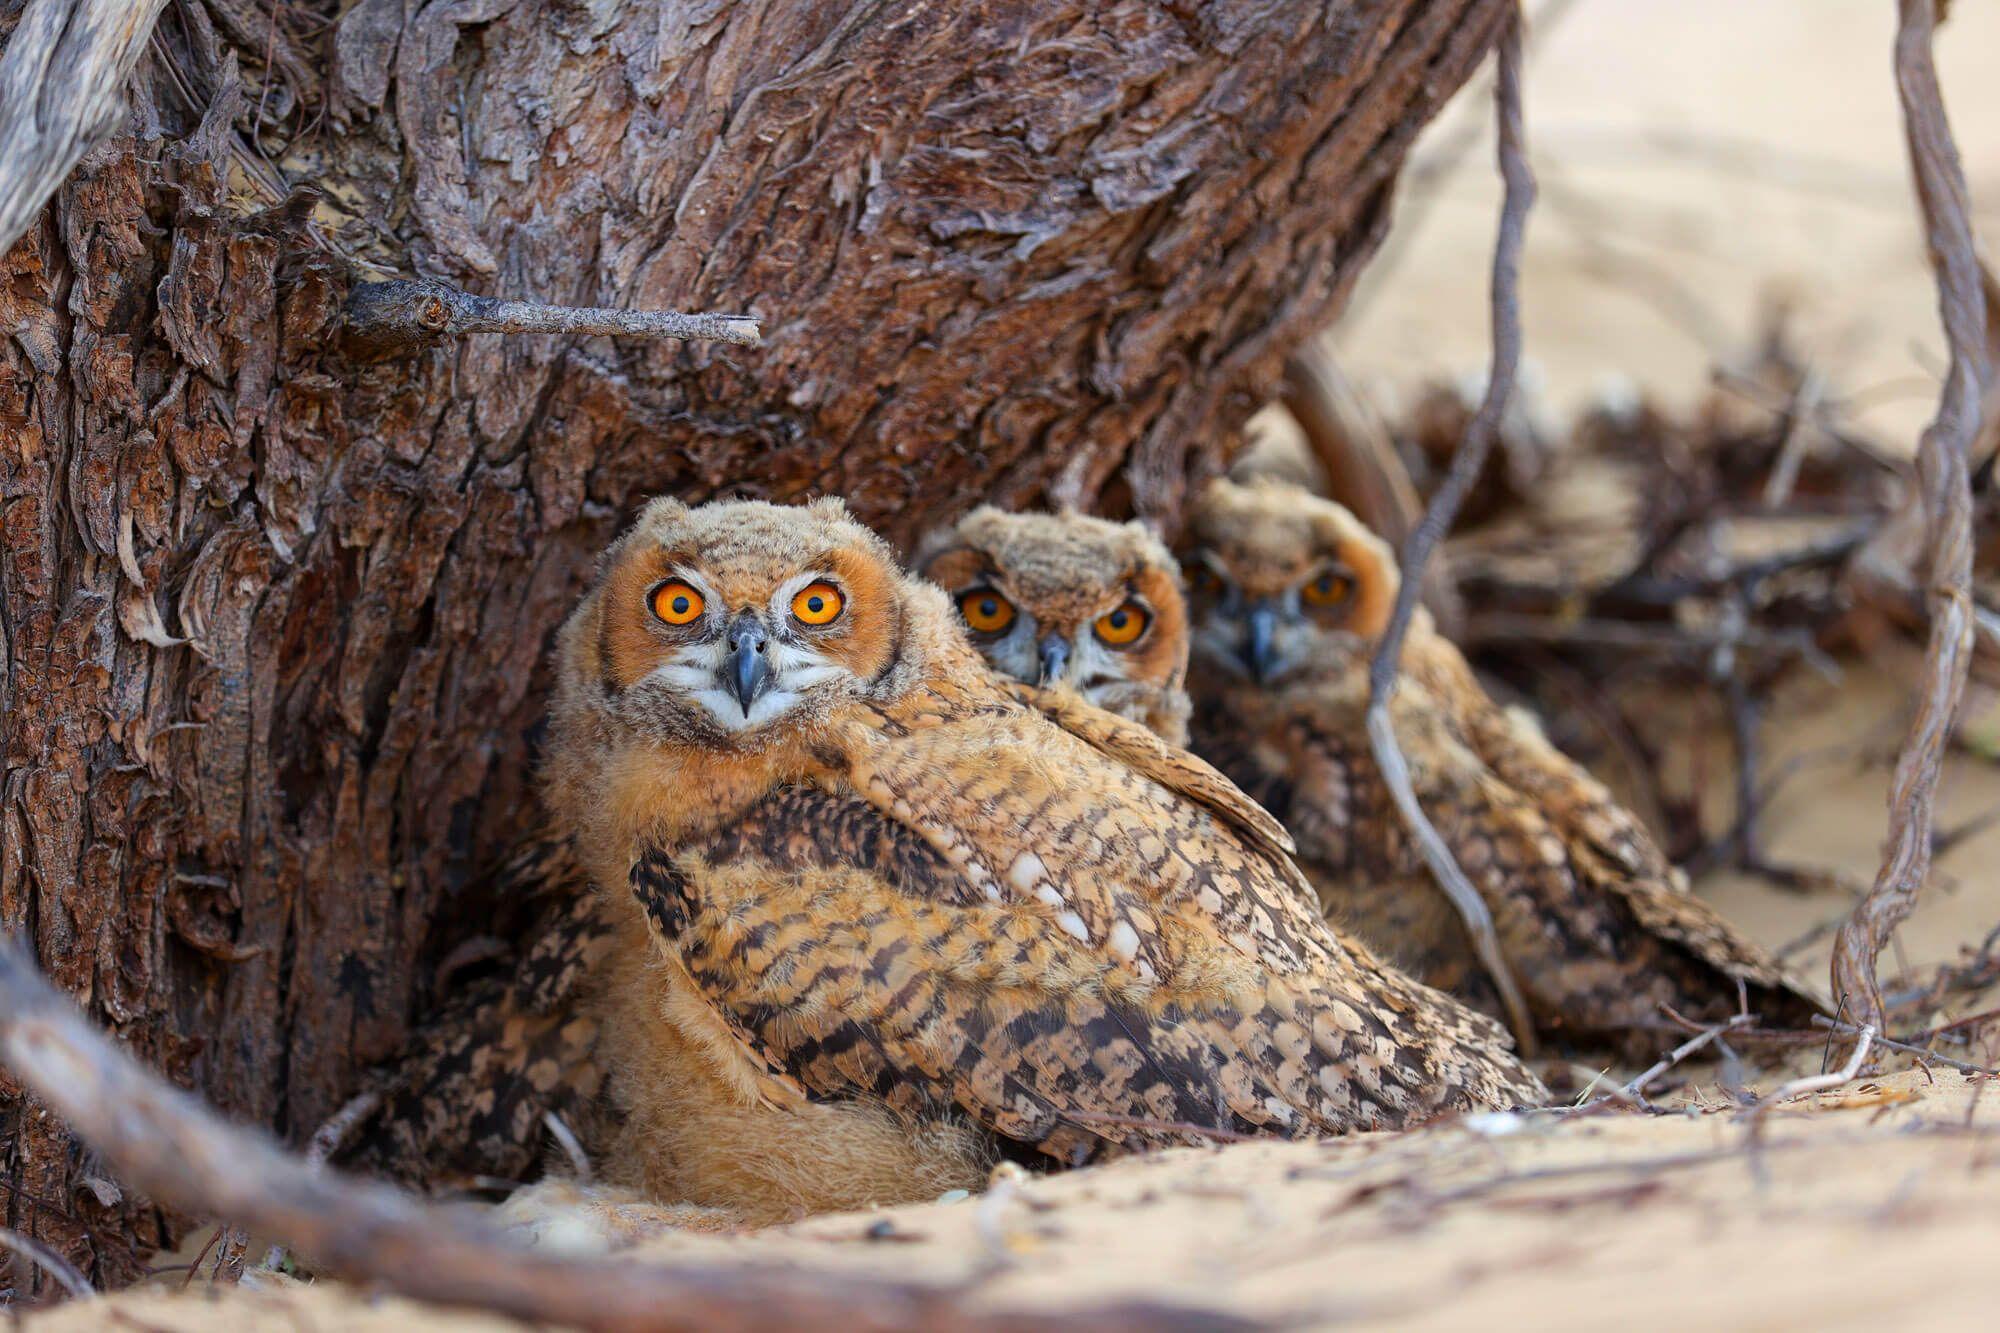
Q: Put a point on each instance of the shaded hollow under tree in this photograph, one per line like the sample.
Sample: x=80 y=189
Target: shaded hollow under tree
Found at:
x=272 y=621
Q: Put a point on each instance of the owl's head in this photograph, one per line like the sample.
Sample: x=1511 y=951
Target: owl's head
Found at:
x=735 y=622
x=1281 y=580
x=1062 y=599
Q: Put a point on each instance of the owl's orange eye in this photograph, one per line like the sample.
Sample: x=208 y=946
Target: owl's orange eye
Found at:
x=676 y=603
x=818 y=604
x=1329 y=589
x=1123 y=627
x=1205 y=581
x=986 y=610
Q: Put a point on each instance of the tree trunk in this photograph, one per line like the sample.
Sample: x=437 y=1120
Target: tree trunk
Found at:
x=272 y=621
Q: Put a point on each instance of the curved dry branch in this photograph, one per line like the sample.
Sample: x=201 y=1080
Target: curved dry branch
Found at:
x=165 y=1143
x=1466 y=464
x=62 y=81
x=1947 y=501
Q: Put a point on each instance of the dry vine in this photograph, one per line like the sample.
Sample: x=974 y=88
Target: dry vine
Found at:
x=1947 y=498
x=1466 y=465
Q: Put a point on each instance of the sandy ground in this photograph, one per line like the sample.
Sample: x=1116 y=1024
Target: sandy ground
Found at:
x=1695 y=156
x=1851 y=1209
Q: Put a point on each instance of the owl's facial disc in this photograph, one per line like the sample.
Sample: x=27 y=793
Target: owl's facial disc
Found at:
x=1097 y=645
x=748 y=665
x=1268 y=626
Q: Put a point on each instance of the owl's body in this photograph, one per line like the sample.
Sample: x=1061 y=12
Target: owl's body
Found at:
x=876 y=914
x=1598 y=927
x=1066 y=600
x=467 y=1096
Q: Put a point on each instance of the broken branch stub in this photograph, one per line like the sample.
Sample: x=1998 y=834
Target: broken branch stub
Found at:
x=387 y=318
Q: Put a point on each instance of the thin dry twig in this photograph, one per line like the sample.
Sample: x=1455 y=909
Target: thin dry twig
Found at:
x=1466 y=465
x=1865 y=1038
x=1947 y=496
x=385 y=318
x=57 y=1267
x=1921 y=1052
x=165 y=1143
x=332 y=1136
x=565 y=1137
x=1636 y=1089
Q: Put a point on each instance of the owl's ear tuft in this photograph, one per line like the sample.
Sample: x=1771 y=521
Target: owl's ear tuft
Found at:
x=830 y=507
x=662 y=509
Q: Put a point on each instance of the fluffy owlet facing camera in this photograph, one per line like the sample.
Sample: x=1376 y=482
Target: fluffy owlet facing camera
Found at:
x=876 y=917
x=1289 y=595
x=1064 y=599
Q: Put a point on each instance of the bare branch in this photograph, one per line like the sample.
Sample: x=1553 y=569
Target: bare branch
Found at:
x=62 y=84
x=1947 y=497
x=384 y=318
x=165 y=1143
x=1466 y=464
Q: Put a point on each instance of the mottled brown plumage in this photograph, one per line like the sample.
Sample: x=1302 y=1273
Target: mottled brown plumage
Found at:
x=1598 y=926
x=874 y=910
x=466 y=1097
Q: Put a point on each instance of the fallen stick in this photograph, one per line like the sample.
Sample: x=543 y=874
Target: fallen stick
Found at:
x=1466 y=464
x=163 y=1142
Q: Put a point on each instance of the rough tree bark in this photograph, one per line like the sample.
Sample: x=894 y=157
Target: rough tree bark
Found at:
x=271 y=621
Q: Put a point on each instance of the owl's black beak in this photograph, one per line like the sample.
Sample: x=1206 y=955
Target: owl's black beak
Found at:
x=1055 y=656
x=747 y=667
x=1258 y=653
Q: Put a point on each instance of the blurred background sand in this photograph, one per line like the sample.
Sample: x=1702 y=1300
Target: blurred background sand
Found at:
x=1697 y=158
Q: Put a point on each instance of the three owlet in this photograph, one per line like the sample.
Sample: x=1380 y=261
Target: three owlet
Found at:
x=1289 y=596
x=876 y=918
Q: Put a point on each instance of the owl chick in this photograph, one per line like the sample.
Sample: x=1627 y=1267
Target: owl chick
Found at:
x=878 y=917
x=1289 y=595
x=1064 y=599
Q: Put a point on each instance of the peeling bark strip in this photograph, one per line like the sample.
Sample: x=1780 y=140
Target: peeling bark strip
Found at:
x=272 y=623
x=167 y=1143
x=62 y=81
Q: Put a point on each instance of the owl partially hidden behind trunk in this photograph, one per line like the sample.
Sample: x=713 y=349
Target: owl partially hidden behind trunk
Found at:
x=1289 y=596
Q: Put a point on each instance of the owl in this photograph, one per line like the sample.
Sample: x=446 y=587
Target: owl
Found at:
x=465 y=1098
x=880 y=919
x=1288 y=596
x=1064 y=599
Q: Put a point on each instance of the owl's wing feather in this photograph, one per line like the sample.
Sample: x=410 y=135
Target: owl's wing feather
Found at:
x=1169 y=765
x=973 y=909
x=1610 y=847
x=911 y=994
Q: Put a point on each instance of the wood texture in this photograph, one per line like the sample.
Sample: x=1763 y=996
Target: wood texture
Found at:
x=272 y=622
